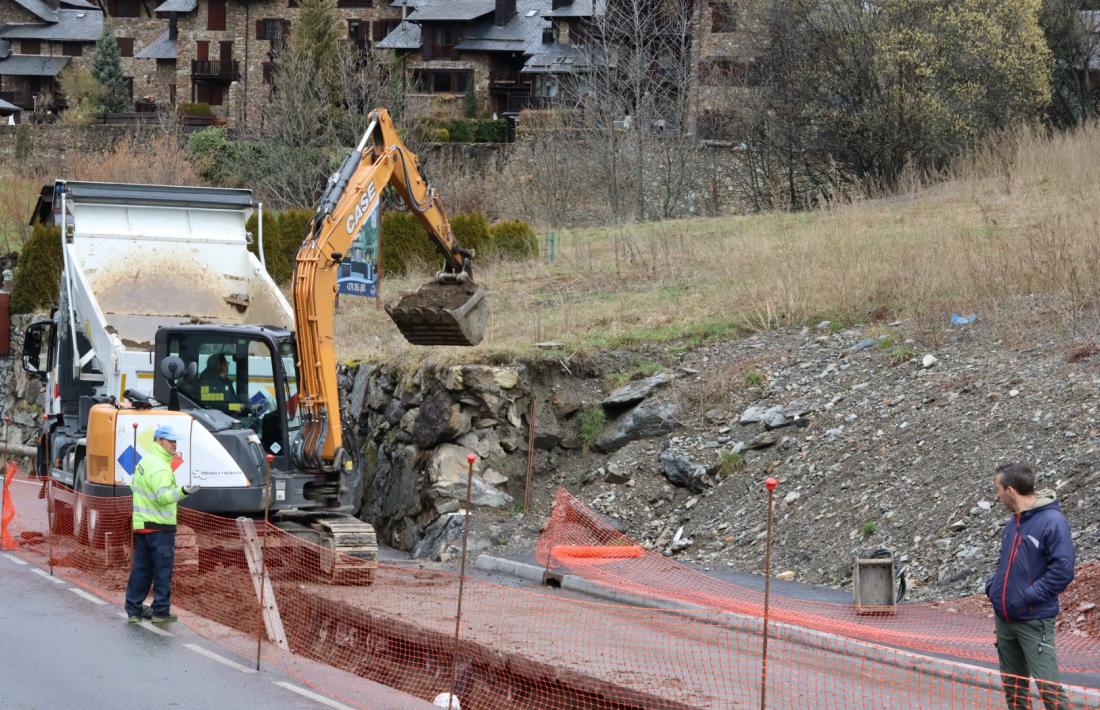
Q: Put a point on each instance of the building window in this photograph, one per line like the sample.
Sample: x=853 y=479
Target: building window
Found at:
x=210 y=94
x=439 y=43
x=215 y=15
x=73 y=49
x=436 y=81
x=30 y=46
x=276 y=31
x=723 y=16
x=354 y=3
x=129 y=87
x=124 y=8
x=382 y=28
x=358 y=31
x=125 y=46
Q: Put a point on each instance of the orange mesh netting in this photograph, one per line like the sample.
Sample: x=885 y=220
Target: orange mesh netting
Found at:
x=391 y=643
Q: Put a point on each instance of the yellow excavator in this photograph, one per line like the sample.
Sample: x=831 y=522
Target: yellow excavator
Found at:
x=451 y=310
x=119 y=336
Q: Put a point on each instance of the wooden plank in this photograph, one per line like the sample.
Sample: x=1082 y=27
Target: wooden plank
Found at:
x=253 y=552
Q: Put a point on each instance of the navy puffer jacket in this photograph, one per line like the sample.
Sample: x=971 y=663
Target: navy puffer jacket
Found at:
x=1036 y=563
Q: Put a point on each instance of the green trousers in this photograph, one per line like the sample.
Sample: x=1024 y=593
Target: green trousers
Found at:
x=1026 y=651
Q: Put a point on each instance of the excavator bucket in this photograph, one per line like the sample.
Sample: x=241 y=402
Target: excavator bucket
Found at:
x=442 y=314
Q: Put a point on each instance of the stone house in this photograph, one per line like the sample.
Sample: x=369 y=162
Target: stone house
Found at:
x=139 y=31
x=225 y=51
x=39 y=38
x=447 y=45
x=521 y=54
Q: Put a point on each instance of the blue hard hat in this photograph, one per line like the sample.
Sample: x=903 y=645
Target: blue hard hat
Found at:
x=164 y=432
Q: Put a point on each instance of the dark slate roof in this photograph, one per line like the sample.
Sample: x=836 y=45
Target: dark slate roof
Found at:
x=405 y=36
x=451 y=10
x=32 y=65
x=73 y=26
x=579 y=8
x=5 y=48
x=183 y=6
x=523 y=33
x=7 y=108
x=39 y=9
x=160 y=48
x=559 y=59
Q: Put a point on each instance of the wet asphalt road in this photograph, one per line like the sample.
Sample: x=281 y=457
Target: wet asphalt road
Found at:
x=59 y=649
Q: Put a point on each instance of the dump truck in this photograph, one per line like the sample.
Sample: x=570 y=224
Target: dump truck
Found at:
x=165 y=316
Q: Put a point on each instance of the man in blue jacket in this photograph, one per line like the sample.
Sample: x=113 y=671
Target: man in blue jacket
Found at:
x=1035 y=567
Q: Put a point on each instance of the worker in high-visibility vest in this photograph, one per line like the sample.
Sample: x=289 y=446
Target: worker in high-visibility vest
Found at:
x=155 y=495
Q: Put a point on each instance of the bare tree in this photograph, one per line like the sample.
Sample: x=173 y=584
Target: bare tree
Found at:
x=305 y=130
x=634 y=102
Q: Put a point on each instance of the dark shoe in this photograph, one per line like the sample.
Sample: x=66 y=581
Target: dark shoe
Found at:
x=146 y=612
x=166 y=619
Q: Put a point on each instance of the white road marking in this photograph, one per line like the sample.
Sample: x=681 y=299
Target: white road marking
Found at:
x=15 y=559
x=311 y=695
x=147 y=625
x=220 y=659
x=47 y=575
x=90 y=597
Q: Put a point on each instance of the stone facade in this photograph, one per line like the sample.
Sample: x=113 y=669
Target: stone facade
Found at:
x=51 y=144
x=252 y=53
x=721 y=78
x=149 y=78
x=13 y=13
x=449 y=105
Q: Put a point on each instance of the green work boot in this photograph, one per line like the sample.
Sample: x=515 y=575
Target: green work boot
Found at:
x=134 y=619
x=166 y=619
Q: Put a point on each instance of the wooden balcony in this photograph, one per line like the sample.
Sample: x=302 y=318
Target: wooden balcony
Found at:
x=215 y=70
x=509 y=80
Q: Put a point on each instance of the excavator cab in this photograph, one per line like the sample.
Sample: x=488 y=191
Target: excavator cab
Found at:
x=442 y=312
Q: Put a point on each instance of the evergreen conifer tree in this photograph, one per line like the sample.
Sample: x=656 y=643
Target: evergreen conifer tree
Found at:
x=107 y=70
x=316 y=38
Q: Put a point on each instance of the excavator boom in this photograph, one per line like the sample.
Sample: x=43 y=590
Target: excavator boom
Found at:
x=451 y=310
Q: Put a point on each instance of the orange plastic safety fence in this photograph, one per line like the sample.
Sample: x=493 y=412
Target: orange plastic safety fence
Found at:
x=390 y=643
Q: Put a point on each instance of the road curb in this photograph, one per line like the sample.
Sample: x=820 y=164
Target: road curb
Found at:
x=986 y=678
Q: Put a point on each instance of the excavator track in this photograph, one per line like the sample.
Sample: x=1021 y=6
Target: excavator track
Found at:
x=349 y=550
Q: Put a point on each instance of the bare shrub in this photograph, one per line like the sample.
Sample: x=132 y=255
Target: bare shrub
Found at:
x=156 y=158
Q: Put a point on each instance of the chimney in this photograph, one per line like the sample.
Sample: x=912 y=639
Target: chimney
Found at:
x=506 y=10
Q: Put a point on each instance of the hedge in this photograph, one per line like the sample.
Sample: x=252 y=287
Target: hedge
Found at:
x=405 y=244
x=38 y=275
x=472 y=232
x=513 y=240
x=463 y=130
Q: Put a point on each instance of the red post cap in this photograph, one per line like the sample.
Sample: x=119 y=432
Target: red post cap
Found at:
x=270 y=459
x=471 y=458
x=134 y=425
x=771 y=483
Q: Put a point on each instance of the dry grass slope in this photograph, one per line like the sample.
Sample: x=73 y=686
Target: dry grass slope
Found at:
x=1017 y=217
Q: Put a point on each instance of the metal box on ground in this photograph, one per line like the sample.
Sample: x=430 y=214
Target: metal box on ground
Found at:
x=875 y=585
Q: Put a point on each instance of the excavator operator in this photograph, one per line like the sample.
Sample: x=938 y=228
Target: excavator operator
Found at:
x=216 y=389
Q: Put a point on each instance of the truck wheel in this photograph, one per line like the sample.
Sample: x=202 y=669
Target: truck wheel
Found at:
x=61 y=515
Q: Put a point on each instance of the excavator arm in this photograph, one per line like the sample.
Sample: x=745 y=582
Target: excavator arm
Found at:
x=449 y=311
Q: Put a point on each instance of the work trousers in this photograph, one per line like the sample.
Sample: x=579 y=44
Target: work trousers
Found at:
x=1026 y=650
x=154 y=554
